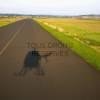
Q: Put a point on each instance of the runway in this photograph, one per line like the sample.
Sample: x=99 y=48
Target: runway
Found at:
x=66 y=75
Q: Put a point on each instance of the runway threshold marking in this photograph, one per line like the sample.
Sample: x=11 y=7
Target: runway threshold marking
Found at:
x=11 y=40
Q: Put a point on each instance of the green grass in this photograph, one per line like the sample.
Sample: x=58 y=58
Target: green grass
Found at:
x=6 y=21
x=87 y=53
x=87 y=31
x=3 y=23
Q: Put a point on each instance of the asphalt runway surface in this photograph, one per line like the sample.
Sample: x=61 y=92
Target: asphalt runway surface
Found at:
x=35 y=66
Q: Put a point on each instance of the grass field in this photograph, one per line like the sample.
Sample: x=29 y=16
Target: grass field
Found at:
x=8 y=20
x=83 y=36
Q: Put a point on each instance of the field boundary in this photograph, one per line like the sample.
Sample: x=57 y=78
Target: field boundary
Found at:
x=93 y=58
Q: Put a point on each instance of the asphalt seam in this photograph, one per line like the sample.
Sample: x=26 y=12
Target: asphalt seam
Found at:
x=11 y=40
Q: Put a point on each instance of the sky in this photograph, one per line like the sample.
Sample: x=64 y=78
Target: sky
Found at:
x=50 y=7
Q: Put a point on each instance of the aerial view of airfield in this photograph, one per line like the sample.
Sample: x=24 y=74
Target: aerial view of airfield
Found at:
x=49 y=49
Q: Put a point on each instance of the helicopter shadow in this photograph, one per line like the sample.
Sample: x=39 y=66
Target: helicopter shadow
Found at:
x=33 y=61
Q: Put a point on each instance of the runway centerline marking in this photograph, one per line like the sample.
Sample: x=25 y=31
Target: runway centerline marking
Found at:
x=11 y=40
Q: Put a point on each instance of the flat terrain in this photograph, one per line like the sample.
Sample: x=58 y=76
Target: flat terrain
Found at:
x=8 y=20
x=66 y=77
x=82 y=35
x=87 y=31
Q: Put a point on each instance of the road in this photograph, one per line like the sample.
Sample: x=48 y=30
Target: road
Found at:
x=66 y=76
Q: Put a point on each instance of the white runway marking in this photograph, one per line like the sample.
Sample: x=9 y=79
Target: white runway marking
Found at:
x=10 y=41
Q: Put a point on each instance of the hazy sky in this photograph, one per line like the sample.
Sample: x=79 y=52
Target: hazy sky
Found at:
x=55 y=7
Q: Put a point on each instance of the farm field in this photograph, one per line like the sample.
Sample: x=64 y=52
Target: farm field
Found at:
x=8 y=20
x=83 y=36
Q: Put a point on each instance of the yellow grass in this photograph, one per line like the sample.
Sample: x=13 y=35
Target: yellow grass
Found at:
x=9 y=20
x=88 y=25
x=83 y=36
